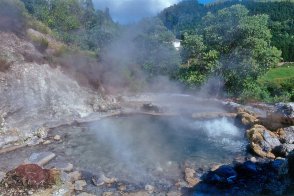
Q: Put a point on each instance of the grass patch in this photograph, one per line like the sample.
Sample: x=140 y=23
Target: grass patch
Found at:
x=277 y=84
x=279 y=74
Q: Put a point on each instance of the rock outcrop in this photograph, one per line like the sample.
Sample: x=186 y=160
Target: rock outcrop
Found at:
x=281 y=116
x=35 y=94
x=262 y=141
x=286 y=136
x=248 y=178
x=247 y=119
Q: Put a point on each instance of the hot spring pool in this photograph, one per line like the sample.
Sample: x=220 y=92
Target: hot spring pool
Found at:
x=141 y=149
x=145 y=148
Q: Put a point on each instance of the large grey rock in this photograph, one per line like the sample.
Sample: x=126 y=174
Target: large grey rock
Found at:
x=288 y=135
x=40 y=159
x=280 y=115
x=285 y=109
x=271 y=140
x=284 y=113
x=262 y=141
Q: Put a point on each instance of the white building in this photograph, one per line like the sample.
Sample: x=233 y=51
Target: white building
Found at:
x=177 y=44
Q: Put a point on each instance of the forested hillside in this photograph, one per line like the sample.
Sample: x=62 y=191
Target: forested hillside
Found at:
x=187 y=15
x=234 y=42
x=238 y=41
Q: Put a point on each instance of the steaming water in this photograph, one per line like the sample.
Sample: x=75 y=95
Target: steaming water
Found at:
x=145 y=149
x=141 y=149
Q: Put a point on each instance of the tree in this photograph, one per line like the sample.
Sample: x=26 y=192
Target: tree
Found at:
x=231 y=44
x=198 y=61
x=155 y=51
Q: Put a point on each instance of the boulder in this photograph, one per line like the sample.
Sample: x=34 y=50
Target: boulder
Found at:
x=149 y=107
x=247 y=168
x=283 y=114
x=285 y=109
x=223 y=175
x=280 y=166
x=247 y=119
x=262 y=141
x=284 y=149
x=287 y=135
x=31 y=175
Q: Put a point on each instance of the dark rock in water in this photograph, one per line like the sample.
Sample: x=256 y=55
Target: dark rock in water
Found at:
x=223 y=175
x=291 y=165
x=261 y=178
x=280 y=166
x=284 y=149
x=247 y=168
x=149 y=107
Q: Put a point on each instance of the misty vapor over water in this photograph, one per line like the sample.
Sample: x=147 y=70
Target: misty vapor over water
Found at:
x=144 y=147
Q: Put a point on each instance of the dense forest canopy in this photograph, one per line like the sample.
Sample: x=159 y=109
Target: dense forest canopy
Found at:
x=238 y=41
x=187 y=15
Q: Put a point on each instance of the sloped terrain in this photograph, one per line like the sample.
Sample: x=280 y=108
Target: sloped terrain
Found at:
x=33 y=93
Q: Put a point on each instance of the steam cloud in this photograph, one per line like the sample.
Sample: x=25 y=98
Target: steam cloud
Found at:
x=142 y=148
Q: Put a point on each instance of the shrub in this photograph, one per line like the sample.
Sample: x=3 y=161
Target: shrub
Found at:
x=38 y=26
x=254 y=92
